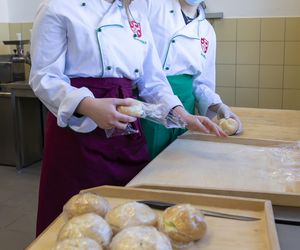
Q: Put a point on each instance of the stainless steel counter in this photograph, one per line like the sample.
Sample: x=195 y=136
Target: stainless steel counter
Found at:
x=27 y=119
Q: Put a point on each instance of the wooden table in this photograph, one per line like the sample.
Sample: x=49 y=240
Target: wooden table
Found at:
x=273 y=124
x=175 y=168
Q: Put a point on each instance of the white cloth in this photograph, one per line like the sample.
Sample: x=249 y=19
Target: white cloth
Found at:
x=185 y=49
x=70 y=39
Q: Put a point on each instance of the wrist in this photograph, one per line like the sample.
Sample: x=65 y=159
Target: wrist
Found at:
x=84 y=107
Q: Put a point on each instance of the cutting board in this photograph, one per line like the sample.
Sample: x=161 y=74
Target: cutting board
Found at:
x=222 y=233
x=222 y=168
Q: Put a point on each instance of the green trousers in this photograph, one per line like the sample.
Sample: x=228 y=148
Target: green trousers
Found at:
x=158 y=137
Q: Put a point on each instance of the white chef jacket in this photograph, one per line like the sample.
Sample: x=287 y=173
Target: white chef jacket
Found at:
x=92 y=39
x=185 y=49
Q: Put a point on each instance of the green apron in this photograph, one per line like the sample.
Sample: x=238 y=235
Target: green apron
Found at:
x=158 y=137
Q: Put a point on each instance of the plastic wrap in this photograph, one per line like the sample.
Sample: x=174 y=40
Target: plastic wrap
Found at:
x=158 y=113
x=86 y=203
x=184 y=224
x=77 y=244
x=140 y=237
x=131 y=214
x=87 y=226
x=282 y=164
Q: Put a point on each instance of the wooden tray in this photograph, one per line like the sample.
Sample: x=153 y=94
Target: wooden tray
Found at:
x=222 y=233
x=219 y=168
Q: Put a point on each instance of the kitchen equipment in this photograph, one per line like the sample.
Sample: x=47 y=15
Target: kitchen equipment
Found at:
x=15 y=66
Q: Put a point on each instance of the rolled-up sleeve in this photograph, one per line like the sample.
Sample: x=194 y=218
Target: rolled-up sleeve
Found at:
x=49 y=45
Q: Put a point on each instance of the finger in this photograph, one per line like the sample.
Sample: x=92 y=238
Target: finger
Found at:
x=120 y=125
x=124 y=118
x=200 y=126
x=214 y=128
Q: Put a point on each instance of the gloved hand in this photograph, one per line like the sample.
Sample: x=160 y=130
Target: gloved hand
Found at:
x=224 y=111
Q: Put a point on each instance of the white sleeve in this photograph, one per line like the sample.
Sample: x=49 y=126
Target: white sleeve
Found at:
x=154 y=86
x=47 y=79
x=204 y=84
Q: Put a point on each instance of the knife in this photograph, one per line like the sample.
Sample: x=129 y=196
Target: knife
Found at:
x=161 y=205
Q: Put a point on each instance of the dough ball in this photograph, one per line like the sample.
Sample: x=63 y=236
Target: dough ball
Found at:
x=86 y=203
x=140 y=237
x=130 y=214
x=134 y=110
x=77 y=244
x=183 y=224
x=87 y=225
x=230 y=126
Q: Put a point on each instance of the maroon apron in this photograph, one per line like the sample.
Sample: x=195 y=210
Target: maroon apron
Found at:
x=74 y=161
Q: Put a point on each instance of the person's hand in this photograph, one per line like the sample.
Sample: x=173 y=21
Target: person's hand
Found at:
x=224 y=111
x=103 y=111
x=199 y=123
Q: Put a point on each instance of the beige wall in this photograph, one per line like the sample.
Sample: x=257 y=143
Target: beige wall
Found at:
x=258 y=62
x=8 y=32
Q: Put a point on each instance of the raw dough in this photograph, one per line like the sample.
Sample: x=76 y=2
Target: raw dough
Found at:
x=230 y=126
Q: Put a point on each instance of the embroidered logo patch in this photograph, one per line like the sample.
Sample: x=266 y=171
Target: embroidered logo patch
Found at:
x=204 y=45
x=136 y=28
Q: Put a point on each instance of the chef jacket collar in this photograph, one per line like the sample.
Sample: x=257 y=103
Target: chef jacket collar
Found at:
x=114 y=15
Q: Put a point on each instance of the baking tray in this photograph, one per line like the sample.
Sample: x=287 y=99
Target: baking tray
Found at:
x=222 y=233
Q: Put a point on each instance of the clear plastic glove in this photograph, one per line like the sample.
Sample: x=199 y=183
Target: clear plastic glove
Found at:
x=199 y=123
x=224 y=111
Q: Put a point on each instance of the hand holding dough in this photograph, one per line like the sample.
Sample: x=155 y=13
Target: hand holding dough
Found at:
x=230 y=126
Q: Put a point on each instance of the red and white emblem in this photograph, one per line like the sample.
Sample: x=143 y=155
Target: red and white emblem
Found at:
x=136 y=28
x=204 y=45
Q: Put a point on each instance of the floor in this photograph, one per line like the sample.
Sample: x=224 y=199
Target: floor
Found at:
x=18 y=206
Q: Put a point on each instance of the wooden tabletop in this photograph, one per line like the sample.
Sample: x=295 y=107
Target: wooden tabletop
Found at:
x=273 y=124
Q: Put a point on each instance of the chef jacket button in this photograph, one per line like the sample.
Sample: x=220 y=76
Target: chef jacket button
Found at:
x=108 y=67
x=167 y=68
x=99 y=30
x=173 y=41
x=136 y=71
x=171 y=11
x=83 y=4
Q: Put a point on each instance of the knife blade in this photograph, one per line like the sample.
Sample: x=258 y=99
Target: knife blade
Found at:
x=161 y=205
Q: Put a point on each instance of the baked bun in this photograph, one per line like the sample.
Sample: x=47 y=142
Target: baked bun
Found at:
x=140 y=237
x=77 y=244
x=87 y=225
x=230 y=126
x=135 y=110
x=130 y=214
x=86 y=203
x=183 y=224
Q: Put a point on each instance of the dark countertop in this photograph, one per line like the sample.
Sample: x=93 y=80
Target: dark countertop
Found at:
x=20 y=89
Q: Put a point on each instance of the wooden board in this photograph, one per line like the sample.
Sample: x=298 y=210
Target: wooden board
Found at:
x=222 y=233
x=270 y=124
x=220 y=168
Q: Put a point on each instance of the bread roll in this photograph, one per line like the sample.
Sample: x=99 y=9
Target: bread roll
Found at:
x=130 y=214
x=77 y=244
x=140 y=237
x=183 y=224
x=87 y=226
x=134 y=110
x=86 y=203
x=230 y=126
